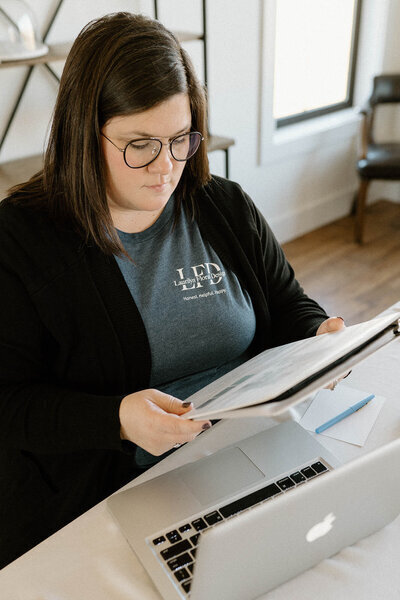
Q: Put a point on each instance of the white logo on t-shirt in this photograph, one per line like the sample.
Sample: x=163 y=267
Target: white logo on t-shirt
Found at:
x=209 y=273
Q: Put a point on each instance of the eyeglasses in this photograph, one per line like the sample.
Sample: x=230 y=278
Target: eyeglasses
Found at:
x=141 y=152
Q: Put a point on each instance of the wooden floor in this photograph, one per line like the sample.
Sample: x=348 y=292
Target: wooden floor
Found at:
x=352 y=281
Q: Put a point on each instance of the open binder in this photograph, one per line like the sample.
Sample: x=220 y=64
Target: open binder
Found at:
x=278 y=378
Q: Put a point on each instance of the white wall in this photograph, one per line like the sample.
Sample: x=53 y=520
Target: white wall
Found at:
x=302 y=176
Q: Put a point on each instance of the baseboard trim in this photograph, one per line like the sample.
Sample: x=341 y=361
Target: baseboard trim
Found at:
x=313 y=215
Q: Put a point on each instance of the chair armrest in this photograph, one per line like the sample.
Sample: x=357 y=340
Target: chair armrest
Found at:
x=366 y=108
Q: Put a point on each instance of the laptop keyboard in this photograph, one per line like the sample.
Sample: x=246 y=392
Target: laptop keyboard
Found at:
x=176 y=548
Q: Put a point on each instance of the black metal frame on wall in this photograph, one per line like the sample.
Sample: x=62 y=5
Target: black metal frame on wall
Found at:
x=203 y=36
x=28 y=76
x=203 y=39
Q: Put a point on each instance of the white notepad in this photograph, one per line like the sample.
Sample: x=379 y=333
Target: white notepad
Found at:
x=353 y=429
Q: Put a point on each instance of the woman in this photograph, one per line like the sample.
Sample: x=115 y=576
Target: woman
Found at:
x=130 y=279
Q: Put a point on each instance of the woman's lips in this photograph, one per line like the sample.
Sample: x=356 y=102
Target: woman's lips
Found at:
x=159 y=187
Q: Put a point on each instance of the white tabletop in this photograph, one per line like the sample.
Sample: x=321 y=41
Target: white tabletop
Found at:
x=89 y=559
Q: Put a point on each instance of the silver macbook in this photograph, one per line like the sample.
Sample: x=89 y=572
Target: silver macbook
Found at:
x=242 y=521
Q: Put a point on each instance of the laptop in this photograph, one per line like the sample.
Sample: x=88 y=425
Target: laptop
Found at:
x=236 y=524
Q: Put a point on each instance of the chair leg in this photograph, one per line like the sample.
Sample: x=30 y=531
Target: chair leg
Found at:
x=353 y=205
x=360 y=211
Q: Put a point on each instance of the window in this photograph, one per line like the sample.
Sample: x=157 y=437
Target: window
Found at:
x=315 y=56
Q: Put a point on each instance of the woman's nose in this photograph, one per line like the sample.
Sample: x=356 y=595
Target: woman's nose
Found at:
x=163 y=163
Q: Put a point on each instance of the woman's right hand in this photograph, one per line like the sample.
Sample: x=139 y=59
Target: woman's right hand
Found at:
x=151 y=419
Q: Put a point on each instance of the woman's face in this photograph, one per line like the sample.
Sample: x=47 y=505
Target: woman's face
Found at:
x=137 y=197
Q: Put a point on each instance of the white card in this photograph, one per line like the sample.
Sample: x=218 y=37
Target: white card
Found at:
x=353 y=429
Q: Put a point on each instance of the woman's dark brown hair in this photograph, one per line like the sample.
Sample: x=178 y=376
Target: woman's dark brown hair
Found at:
x=119 y=64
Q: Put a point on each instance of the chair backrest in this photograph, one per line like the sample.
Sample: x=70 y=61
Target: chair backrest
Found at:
x=386 y=89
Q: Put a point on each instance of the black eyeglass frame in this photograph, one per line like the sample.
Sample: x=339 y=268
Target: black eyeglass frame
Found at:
x=159 y=151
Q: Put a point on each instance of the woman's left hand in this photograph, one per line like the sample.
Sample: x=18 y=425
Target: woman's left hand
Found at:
x=329 y=326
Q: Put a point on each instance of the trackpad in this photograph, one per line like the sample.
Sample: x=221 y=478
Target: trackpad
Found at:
x=220 y=475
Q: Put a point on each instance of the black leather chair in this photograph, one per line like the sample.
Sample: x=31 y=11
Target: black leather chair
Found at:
x=377 y=160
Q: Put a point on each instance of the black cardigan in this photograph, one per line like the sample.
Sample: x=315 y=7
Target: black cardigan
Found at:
x=72 y=345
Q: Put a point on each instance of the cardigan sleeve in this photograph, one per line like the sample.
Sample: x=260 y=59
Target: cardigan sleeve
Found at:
x=293 y=314
x=284 y=311
x=37 y=414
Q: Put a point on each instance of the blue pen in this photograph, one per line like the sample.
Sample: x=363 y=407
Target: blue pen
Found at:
x=344 y=414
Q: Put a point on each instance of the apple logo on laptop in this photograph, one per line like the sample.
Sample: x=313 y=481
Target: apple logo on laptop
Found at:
x=321 y=528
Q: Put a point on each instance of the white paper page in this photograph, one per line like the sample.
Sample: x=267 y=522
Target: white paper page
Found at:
x=276 y=370
x=353 y=429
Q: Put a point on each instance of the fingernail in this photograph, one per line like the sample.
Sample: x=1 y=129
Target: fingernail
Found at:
x=340 y=318
x=206 y=426
x=186 y=404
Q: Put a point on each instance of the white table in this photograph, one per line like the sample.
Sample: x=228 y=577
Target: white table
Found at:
x=89 y=559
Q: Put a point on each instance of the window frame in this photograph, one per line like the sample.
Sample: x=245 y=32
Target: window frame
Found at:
x=349 y=102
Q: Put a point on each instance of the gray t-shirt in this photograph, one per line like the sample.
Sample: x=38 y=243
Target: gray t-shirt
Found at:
x=198 y=319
